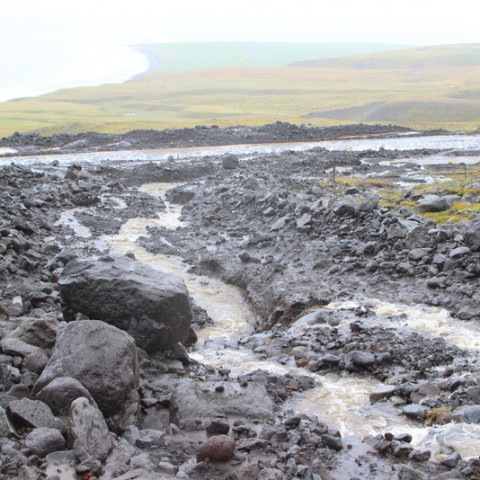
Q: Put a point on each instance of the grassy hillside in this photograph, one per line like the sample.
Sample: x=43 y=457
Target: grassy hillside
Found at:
x=421 y=58
x=439 y=94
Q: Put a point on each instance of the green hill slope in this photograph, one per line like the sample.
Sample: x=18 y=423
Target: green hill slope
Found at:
x=181 y=57
x=439 y=94
x=421 y=58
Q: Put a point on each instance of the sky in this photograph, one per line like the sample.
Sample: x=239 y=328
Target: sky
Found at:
x=415 y=22
x=37 y=37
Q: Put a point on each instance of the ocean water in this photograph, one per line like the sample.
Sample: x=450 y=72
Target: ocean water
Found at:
x=28 y=71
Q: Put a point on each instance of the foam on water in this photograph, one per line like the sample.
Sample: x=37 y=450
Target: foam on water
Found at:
x=433 y=321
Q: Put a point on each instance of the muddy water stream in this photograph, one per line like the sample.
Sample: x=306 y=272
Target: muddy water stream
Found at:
x=340 y=401
x=443 y=142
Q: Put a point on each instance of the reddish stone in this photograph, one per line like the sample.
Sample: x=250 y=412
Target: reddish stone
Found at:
x=219 y=448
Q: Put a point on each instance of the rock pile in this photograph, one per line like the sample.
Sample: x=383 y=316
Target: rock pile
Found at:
x=94 y=379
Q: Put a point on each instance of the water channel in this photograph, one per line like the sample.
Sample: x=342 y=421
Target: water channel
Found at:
x=340 y=400
x=452 y=143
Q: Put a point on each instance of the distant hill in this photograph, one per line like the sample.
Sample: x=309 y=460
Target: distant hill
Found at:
x=181 y=57
x=420 y=58
x=405 y=112
x=422 y=88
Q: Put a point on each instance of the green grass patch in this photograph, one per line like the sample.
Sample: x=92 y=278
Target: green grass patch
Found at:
x=395 y=197
x=459 y=211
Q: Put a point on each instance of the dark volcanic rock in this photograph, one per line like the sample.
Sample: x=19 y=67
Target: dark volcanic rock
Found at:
x=434 y=203
x=100 y=356
x=88 y=428
x=193 y=402
x=42 y=441
x=60 y=393
x=230 y=162
x=31 y=413
x=152 y=306
x=472 y=235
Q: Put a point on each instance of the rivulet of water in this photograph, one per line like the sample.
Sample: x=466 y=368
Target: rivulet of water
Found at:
x=342 y=401
x=432 y=321
x=404 y=143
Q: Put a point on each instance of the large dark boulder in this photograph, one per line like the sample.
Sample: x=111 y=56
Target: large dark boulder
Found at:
x=102 y=358
x=152 y=306
x=472 y=235
x=434 y=203
x=346 y=206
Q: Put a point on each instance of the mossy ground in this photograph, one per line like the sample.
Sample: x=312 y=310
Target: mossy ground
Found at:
x=453 y=180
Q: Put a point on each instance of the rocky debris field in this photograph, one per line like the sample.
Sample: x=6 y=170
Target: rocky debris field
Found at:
x=96 y=376
x=33 y=144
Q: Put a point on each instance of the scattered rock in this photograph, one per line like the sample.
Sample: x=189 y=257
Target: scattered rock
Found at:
x=219 y=448
x=230 y=162
x=89 y=430
x=383 y=392
x=42 y=441
x=218 y=426
x=434 y=203
x=60 y=393
x=31 y=413
x=192 y=402
x=415 y=412
x=472 y=235
x=346 y=206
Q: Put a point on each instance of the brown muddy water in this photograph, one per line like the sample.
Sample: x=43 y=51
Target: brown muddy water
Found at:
x=342 y=401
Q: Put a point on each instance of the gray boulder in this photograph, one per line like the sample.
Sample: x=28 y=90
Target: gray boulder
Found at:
x=230 y=162
x=280 y=224
x=419 y=237
x=35 y=357
x=415 y=412
x=370 y=204
x=459 y=252
x=32 y=414
x=472 y=235
x=88 y=428
x=193 y=401
x=434 y=203
x=4 y=424
x=382 y=392
x=361 y=359
x=40 y=332
x=42 y=441
x=101 y=357
x=471 y=414
x=304 y=222
x=152 y=306
x=346 y=206
x=61 y=392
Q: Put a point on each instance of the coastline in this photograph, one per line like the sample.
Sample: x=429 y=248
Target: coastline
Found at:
x=72 y=66
x=153 y=63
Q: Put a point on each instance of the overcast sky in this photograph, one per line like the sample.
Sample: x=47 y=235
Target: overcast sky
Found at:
x=406 y=22
x=50 y=44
